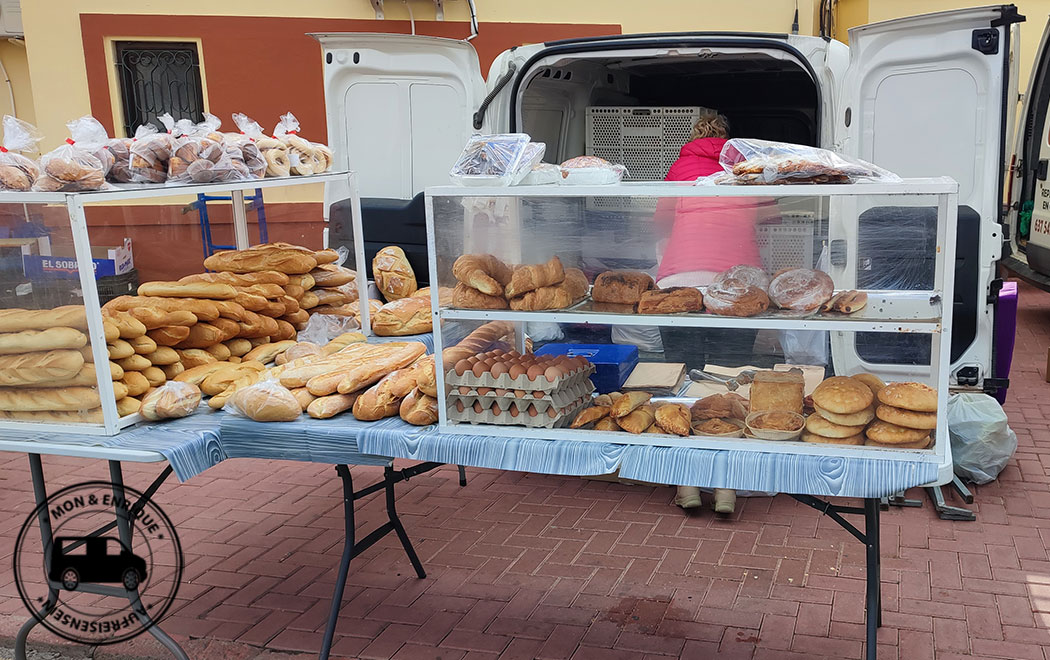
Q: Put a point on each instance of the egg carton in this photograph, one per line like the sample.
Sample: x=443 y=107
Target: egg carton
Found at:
x=542 y=420
x=559 y=399
x=505 y=382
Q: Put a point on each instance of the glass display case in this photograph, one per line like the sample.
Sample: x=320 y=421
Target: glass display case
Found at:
x=853 y=280
x=65 y=255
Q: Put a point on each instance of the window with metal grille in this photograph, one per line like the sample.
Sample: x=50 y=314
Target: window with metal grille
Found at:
x=158 y=77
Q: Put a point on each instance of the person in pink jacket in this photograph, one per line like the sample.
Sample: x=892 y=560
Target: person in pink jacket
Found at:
x=706 y=236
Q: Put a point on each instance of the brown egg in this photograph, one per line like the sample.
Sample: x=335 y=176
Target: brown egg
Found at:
x=462 y=367
x=459 y=406
x=551 y=412
x=479 y=368
x=513 y=410
x=477 y=407
x=519 y=393
x=496 y=410
x=513 y=354
x=501 y=392
x=516 y=370
x=532 y=411
x=552 y=373
x=463 y=389
x=538 y=394
x=535 y=371
x=498 y=369
x=483 y=391
x=473 y=358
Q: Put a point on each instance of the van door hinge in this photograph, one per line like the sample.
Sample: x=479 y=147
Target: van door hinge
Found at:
x=986 y=41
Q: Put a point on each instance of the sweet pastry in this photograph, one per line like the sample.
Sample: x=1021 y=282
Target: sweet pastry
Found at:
x=735 y=298
x=909 y=396
x=671 y=301
x=801 y=289
x=528 y=278
x=638 y=420
x=564 y=294
x=778 y=390
x=907 y=418
x=846 y=302
x=749 y=275
x=853 y=419
x=613 y=308
x=891 y=434
x=607 y=424
x=393 y=274
x=824 y=440
x=623 y=287
x=842 y=395
x=466 y=297
x=482 y=272
x=628 y=403
x=817 y=425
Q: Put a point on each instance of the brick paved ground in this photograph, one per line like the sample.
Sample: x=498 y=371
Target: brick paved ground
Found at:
x=525 y=566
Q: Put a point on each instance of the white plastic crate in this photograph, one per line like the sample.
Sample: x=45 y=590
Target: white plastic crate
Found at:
x=787 y=244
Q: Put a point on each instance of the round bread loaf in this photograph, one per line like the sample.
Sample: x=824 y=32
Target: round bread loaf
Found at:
x=873 y=382
x=801 y=289
x=842 y=395
x=735 y=298
x=750 y=275
x=854 y=419
x=907 y=418
x=919 y=444
x=891 y=434
x=817 y=425
x=819 y=439
x=909 y=396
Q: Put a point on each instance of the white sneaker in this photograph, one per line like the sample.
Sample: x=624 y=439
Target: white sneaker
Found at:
x=688 y=497
x=725 y=500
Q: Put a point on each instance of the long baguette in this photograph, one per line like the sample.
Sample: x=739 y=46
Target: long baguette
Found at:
x=235 y=279
x=188 y=290
x=128 y=327
x=53 y=416
x=255 y=260
x=365 y=375
x=204 y=310
x=264 y=290
x=153 y=318
x=86 y=377
x=16 y=320
x=41 y=399
x=28 y=341
x=34 y=368
x=331 y=405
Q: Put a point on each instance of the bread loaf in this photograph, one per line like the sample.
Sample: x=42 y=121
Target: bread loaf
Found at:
x=135 y=382
x=219 y=380
x=780 y=391
x=328 y=275
x=326 y=256
x=202 y=335
x=408 y=316
x=236 y=279
x=393 y=274
x=86 y=377
x=59 y=398
x=671 y=301
x=228 y=309
x=188 y=290
x=172 y=370
x=128 y=405
x=309 y=300
x=134 y=362
x=204 y=310
x=218 y=351
x=196 y=375
x=17 y=320
x=291 y=305
x=170 y=401
x=39 y=368
x=28 y=341
x=194 y=357
x=477 y=341
x=624 y=287
x=229 y=328
x=54 y=416
x=120 y=349
x=329 y=297
x=154 y=375
x=114 y=368
x=152 y=317
x=267 y=402
x=362 y=376
x=267 y=352
x=331 y=405
x=306 y=281
x=419 y=409
x=238 y=347
x=128 y=326
x=266 y=290
x=426 y=377
x=299 y=350
x=110 y=330
x=164 y=355
x=304 y=397
x=266 y=259
x=285 y=330
x=170 y=335
x=143 y=345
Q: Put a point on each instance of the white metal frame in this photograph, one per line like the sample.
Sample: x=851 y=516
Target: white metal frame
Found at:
x=75 y=203
x=909 y=304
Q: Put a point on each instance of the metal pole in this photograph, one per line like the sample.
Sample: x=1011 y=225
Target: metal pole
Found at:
x=344 y=562
x=240 y=220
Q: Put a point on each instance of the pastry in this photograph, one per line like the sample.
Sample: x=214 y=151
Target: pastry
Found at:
x=628 y=403
x=801 y=289
x=842 y=395
x=778 y=390
x=817 y=425
x=465 y=297
x=891 y=434
x=623 y=287
x=613 y=308
x=777 y=420
x=717 y=406
x=529 y=278
x=735 y=298
x=820 y=439
x=846 y=302
x=568 y=292
x=853 y=419
x=482 y=272
x=638 y=420
x=589 y=416
x=715 y=426
x=749 y=275
x=607 y=424
x=907 y=418
x=393 y=274
x=673 y=418
x=671 y=301
x=909 y=396
x=408 y=316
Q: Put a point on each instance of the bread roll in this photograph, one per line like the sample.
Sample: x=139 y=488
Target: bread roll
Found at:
x=188 y=290
x=202 y=335
x=238 y=347
x=128 y=405
x=408 y=316
x=331 y=405
x=306 y=281
x=172 y=400
x=164 y=355
x=285 y=331
x=116 y=370
x=28 y=341
x=219 y=351
x=143 y=345
x=128 y=326
x=152 y=318
x=109 y=330
x=267 y=352
x=16 y=320
x=419 y=409
x=120 y=349
x=393 y=274
x=173 y=370
x=170 y=335
x=135 y=382
x=368 y=408
x=229 y=328
x=267 y=402
x=329 y=275
x=120 y=390
x=426 y=378
x=59 y=398
x=39 y=368
x=134 y=363
x=154 y=375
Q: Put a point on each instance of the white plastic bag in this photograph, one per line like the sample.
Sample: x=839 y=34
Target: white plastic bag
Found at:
x=171 y=400
x=303 y=157
x=245 y=142
x=323 y=328
x=74 y=166
x=17 y=172
x=201 y=157
x=266 y=401
x=748 y=161
x=808 y=346
x=981 y=437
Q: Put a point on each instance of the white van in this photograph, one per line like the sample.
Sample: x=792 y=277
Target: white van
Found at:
x=930 y=95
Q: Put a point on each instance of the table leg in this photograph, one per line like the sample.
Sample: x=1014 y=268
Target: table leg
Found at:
x=391 y=511
x=344 y=561
x=36 y=470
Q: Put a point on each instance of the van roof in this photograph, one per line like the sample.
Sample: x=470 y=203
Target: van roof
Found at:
x=678 y=35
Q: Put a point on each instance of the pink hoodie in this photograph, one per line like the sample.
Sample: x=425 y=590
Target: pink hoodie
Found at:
x=708 y=234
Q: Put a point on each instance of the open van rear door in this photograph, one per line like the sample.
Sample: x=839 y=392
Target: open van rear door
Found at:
x=929 y=96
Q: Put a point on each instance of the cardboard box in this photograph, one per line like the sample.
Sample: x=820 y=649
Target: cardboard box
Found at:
x=108 y=262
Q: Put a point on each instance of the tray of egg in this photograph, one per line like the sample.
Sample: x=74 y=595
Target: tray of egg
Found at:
x=516 y=412
x=506 y=372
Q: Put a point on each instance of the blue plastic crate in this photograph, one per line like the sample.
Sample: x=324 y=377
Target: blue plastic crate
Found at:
x=613 y=363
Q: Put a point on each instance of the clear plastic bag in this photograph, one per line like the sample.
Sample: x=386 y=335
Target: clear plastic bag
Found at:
x=121 y=172
x=323 y=328
x=149 y=154
x=245 y=141
x=17 y=172
x=591 y=171
x=981 y=437
x=495 y=160
x=302 y=156
x=201 y=157
x=751 y=162
x=74 y=166
x=542 y=174
x=267 y=401
x=171 y=400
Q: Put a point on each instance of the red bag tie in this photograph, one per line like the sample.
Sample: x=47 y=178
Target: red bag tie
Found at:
x=3 y=149
x=70 y=141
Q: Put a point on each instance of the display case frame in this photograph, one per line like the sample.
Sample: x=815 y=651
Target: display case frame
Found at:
x=910 y=309
x=75 y=203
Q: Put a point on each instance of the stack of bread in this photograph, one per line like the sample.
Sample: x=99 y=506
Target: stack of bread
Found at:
x=635 y=413
x=906 y=416
x=485 y=282
x=404 y=313
x=719 y=415
x=842 y=409
x=142 y=363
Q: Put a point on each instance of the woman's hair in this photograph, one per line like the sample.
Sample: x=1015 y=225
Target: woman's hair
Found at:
x=711 y=124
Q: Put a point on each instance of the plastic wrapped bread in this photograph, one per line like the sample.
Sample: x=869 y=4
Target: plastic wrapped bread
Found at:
x=17 y=172
x=74 y=166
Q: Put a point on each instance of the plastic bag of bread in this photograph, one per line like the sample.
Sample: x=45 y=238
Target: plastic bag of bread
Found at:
x=17 y=172
x=170 y=400
x=120 y=148
x=590 y=171
x=74 y=166
x=245 y=141
x=496 y=160
x=267 y=401
x=150 y=152
x=303 y=158
x=199 y=156
x=751 y=162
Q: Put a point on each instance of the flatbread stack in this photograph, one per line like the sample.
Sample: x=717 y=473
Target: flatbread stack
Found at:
x=843 y=407
x=906 y=415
